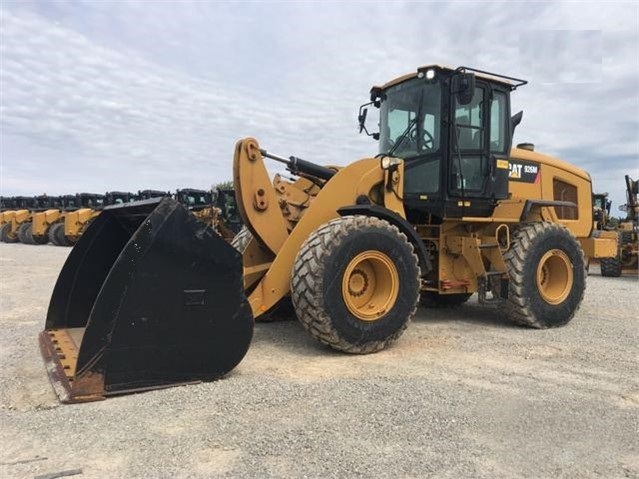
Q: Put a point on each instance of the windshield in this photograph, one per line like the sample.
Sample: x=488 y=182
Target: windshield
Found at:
x=599 y=202
x=410 y=116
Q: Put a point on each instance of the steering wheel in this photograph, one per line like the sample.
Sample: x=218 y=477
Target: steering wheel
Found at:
x=428 y=142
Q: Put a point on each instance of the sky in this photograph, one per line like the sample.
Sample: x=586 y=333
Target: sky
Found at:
x=116 y=95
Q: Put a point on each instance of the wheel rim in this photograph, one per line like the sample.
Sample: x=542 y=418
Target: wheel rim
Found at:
x=554 y=276
x=370 y=285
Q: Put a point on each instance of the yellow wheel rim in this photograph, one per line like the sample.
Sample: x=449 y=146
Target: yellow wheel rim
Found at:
x=370 y=285
x=554 y=276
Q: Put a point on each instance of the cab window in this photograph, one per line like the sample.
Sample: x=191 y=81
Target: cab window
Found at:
x=468 y=122
x=498 y=123
x=469 y=165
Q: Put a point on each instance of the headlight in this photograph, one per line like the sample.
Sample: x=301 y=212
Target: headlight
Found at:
x=388 y=162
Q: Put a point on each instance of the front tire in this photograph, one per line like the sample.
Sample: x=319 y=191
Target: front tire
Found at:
x=56 y=235
x=355 y=284
x=24 y=233
x=39 y=239
x=5 y=234
x=628 y=260
x=547 y=273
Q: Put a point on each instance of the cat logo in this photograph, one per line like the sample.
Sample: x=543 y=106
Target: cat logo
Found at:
x=515 y=171
x=524 y=171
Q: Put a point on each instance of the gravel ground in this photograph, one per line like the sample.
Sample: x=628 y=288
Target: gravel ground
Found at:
x=462 y=394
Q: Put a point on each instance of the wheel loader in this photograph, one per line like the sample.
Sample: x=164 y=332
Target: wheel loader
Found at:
x=77 y=221
x=34 y=231
x=230 y=218
x=150 y=297
x=601 y=211
x=49 y=225
x=214 y=209
x=200 y=204
x=9 y=205
x=626 y=258
x=51 y=222
x=16 y=220
x=196 y=201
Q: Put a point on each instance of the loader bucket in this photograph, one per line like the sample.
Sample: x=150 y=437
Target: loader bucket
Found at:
x=148 y=298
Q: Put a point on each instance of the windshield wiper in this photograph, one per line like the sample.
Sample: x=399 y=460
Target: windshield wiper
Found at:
x=402 y=137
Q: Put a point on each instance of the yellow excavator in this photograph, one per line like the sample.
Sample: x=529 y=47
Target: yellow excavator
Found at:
x=151 y=297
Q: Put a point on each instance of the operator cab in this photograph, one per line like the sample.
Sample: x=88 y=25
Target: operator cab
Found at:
x=118 y=197
x=227 y=205
x=148 y=194
x=453 y=130
x=193 y=199
x=25 y=202
x=91 y=200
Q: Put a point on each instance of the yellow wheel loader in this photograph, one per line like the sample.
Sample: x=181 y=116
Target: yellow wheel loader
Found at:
x=77 y=221
x=9 y=206
x=627 y=255
x=50 y=223
x=214 y=209
x=200 y=203
x=13 y=228
x=81 y=211
x=601 y=211
x=229 y=221
x=34 y=231
x=150 y=297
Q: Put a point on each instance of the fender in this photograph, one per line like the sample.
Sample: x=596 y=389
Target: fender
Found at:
x=528 y=206
x=396 y=220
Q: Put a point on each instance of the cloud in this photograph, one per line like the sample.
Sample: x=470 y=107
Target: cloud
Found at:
x=129 y=95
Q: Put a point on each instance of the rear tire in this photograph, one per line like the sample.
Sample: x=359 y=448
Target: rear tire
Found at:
x=24 y=233
x=610 y=267
x=5 y=234
x=51 y=234
x=43 y=239
x=56 y=235
x=547 y=273
x=355 y=284
x=430 y=299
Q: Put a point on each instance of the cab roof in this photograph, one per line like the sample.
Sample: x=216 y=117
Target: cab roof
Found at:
x=510 y=82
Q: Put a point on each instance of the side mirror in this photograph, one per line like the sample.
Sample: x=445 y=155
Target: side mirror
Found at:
x=361 y=118
x=515 y=120
x=463 y=87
